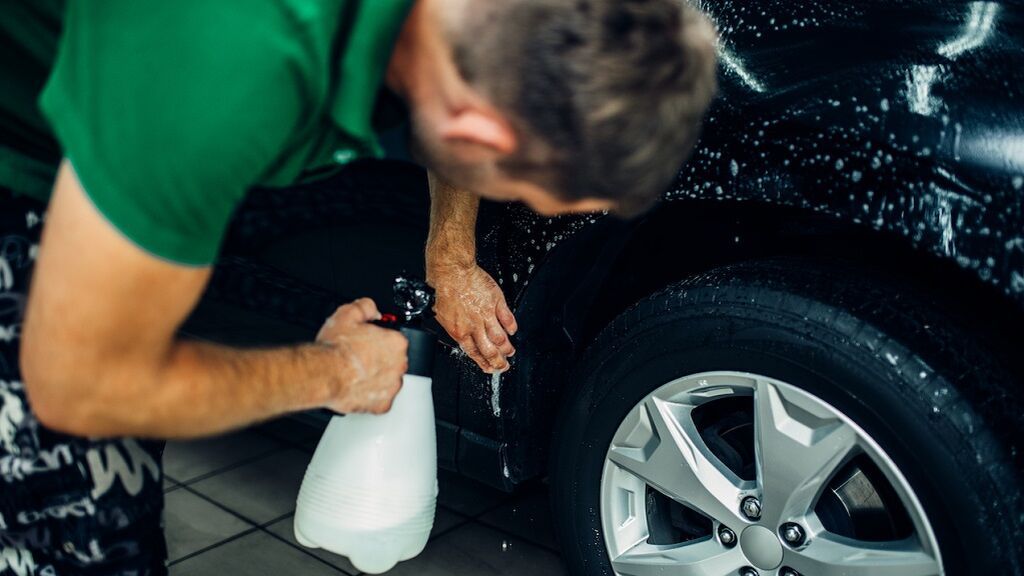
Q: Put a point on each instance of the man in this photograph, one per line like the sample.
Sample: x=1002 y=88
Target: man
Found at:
x=155 y=119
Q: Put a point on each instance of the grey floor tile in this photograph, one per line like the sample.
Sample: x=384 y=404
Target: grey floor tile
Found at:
x=527 y=516
x=476 y=550
x=169 y=484
x=444 y=521
x=186 y=461
x=285 y=529
x=191 y=524
x=256 y=554
x=261 y=490
x=466 y=496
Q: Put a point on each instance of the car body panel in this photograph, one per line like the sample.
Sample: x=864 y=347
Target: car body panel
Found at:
x=900 y=120
x=904 y=117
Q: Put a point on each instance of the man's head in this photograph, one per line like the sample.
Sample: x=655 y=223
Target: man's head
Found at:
x=567 y=105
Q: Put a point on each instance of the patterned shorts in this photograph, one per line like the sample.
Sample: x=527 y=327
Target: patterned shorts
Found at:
x=68 y=505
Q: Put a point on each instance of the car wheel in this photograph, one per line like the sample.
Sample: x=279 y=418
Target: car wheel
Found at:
x=790 y=419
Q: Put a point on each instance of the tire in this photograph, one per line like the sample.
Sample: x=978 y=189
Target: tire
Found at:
x=934 y=417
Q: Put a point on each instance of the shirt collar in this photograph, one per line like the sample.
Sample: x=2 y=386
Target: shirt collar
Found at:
x=364 y=58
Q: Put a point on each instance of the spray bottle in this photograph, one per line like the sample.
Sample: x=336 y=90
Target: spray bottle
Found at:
x=370 y=490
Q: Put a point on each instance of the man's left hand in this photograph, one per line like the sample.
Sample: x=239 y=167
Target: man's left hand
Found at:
x=471 y=307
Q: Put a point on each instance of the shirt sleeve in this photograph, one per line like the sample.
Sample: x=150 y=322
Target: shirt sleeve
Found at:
x=170 y=111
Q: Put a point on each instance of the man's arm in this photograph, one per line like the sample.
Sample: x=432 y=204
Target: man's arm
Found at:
x=470 y=305
x=100 y=358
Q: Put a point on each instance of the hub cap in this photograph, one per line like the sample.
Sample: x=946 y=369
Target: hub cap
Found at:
x=761 y=547
x=806 y=459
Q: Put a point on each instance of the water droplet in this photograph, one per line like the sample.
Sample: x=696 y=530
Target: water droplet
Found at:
x=839 y=164
x=734 y=168
x=856 y=175
x=885 y=104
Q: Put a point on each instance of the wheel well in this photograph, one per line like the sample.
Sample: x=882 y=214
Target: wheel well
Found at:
x=686 y=237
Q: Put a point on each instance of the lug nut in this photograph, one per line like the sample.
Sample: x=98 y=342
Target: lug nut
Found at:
x=748 y=571
x=787 y=571
x=726 y=536
x=792 y=533
x=751 y=508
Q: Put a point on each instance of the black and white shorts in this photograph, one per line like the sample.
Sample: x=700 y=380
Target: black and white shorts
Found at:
x=68 y=505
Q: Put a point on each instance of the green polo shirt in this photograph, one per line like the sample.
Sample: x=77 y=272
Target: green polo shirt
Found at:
x=170 y=111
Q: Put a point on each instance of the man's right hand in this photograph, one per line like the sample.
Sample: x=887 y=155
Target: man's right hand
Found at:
x=373 y=359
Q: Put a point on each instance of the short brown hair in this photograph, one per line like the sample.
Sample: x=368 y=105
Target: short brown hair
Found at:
x=607 y=95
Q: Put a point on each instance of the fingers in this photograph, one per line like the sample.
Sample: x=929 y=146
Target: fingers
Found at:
x=469 y=347
x=395 y=341
x=489 y=347
x=387 y=401
x=496 y=334
x=507 y=319
x=495 y=359
x=358 y=312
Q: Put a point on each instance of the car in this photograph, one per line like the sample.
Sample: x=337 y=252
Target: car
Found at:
x=806 y=361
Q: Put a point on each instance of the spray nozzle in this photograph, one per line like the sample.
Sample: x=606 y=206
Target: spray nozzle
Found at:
x=413 y=297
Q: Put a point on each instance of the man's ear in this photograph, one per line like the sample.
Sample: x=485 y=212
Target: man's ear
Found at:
x=482 y=128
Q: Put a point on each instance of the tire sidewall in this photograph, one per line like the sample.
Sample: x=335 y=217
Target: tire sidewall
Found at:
x=814 y=357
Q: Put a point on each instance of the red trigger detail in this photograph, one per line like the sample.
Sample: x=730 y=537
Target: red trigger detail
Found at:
x=389 y=318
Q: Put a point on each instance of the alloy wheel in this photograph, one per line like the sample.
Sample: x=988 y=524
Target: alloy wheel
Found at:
x=735 y=473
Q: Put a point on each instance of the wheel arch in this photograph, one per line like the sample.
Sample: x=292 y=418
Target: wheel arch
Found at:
x=586 y=282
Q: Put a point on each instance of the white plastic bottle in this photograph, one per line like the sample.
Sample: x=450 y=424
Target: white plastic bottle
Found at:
x=370 y=491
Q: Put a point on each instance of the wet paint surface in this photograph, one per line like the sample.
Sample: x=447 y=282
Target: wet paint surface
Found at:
x=902 y=117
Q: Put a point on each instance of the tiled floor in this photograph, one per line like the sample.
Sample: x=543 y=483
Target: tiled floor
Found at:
x=230 y=501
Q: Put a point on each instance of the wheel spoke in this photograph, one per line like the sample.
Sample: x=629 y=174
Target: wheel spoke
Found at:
x=797 y=452
x=832 y=555
x=675 y=460
x=702 y=558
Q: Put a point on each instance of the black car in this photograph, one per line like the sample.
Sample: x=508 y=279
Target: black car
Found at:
x=808 y=360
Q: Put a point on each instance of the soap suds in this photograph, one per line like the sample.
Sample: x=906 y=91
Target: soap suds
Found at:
x=496 y=394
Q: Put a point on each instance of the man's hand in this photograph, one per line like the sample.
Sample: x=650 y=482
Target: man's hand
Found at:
x=373 y=359
x=470 y=305
x=101 y=357
x=472 y=308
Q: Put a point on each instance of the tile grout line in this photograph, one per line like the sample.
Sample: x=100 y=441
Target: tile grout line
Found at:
x=490 y=509
x=206 y=476
x=462 y=522
x=447 y=531
x=251 y=530
x=495 y=526
x=222 y=506
x=278 y=519
x=300 y=548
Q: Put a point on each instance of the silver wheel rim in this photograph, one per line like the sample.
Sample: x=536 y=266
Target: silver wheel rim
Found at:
x=800 y=441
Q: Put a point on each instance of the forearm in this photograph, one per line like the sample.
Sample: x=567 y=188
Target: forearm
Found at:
x=452 y=238
x=199 y=389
